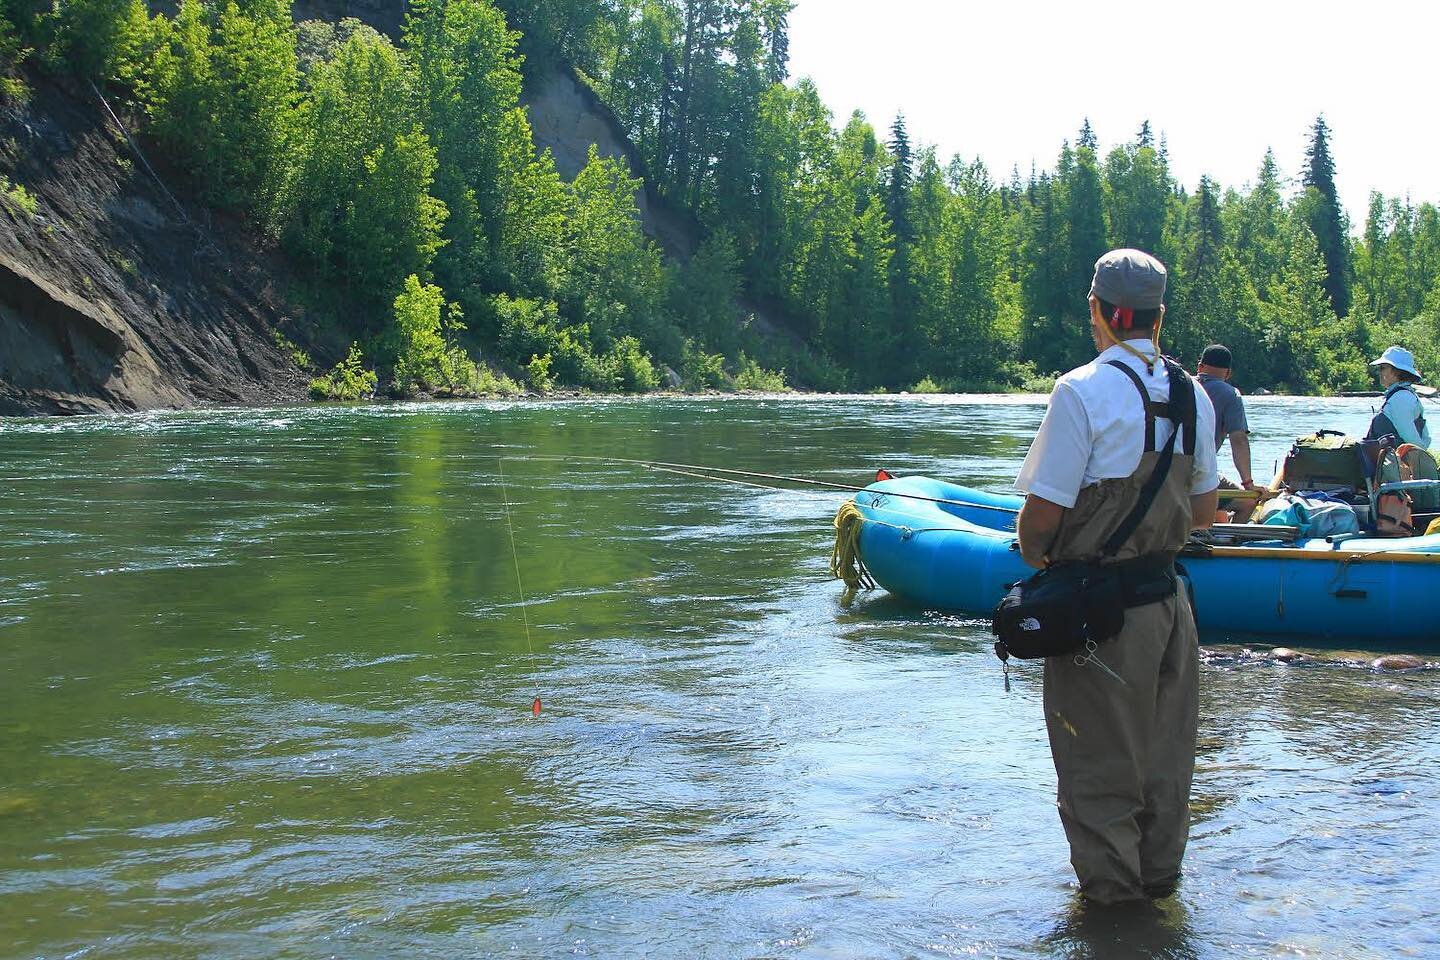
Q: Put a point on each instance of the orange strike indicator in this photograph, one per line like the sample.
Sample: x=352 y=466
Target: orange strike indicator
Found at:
x=535 y=707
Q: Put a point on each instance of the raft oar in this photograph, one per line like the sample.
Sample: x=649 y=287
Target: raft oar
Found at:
x=685 y=470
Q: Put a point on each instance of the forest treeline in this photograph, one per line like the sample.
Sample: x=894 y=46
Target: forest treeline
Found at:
x=402 y=180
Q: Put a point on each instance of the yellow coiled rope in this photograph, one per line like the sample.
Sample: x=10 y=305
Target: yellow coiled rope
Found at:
x=845 y=562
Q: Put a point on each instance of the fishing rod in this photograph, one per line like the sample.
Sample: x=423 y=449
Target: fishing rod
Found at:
x=690 y=469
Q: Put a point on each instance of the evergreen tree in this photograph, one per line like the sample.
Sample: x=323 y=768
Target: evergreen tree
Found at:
x=1258 y=228
x=1085 y=221
x=1325 y=218
x=897 y=205
x=1196 y=295
x=775 y=15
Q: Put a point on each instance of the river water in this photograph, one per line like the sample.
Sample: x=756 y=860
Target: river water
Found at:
x=265 y=691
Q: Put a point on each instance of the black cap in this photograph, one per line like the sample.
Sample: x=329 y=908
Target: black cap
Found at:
x=1217 y=355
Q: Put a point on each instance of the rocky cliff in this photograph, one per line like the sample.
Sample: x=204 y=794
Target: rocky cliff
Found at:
x=111 y=297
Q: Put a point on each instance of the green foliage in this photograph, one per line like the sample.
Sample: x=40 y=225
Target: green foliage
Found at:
x=297 y=356
x=749 y=375
x=534 y=238
x=220 y=86
x=318 y=41
x=630 y=368
x=616 y=280
x=926 y=385
x=13 y=52
x=467 y=80
x=18 y=197
x=537 y=371
x=357 y=206
x=1320 y=208
x=348 y=381
x=703 y=293
x=489 y=384
x=87 y=35
x=703 y=371
x=427 y=358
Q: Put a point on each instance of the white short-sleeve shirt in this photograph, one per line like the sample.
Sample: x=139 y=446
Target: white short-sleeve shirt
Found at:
x=1094 y=429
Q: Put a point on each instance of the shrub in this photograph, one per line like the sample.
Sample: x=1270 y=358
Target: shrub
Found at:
x=927 y=385
x=701 y=371
x=426 y=355
x=533 y=328
x=18 y=197
x=297 y=356
x=751 y=376
x=489 y=384
x=631 y=367
x=537 y=371
x=348 y=381
x=817 y=371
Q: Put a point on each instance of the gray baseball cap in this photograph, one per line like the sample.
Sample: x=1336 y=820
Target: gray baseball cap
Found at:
x=1129 y=278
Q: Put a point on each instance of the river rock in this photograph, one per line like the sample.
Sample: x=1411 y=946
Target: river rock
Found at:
x=1397 y=661
x=1286 y=655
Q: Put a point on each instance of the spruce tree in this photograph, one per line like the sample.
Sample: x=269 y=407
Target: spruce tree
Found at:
x=897 y=206
x=775 y=14
x=1145 y=139
x=1324 y=216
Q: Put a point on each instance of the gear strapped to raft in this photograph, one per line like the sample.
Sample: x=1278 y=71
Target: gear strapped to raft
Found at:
x=1067 y=608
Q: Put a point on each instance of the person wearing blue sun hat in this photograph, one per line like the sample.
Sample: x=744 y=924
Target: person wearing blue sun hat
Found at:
x=1401 y=416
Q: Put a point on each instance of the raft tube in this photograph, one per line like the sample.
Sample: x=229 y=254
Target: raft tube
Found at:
x=961 y=554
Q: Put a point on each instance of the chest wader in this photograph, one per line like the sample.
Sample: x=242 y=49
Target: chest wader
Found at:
x=1123 y=737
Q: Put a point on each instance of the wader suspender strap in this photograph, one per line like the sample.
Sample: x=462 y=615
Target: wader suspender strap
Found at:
x=1153 y=408
x=1184 y=420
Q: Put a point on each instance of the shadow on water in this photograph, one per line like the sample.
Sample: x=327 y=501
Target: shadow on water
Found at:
x=1147 y=931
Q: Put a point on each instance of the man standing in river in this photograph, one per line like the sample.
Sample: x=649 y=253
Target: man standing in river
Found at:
x=1122 y=724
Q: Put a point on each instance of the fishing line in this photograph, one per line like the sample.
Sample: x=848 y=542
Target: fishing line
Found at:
x=761 y=486
x=519 y=585
x=810 y=481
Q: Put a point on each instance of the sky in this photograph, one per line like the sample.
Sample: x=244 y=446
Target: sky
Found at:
x=1222 y=80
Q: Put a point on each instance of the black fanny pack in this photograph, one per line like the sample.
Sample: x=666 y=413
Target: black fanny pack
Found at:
x=1063 y=608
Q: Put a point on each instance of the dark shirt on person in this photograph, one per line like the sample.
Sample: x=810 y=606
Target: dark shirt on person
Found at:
x=1229 y=407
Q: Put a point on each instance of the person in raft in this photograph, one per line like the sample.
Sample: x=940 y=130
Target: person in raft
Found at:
x=1124 y=749
x=1213 y=373
x=1401 y=416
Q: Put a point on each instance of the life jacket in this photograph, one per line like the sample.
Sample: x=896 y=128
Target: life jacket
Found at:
x=1417 y=464
x=1393 y=517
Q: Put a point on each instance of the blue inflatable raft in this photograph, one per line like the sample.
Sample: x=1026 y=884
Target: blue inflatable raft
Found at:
x=956 y=550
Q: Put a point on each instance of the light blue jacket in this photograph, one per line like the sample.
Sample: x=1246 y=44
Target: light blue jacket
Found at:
x=1403 y=409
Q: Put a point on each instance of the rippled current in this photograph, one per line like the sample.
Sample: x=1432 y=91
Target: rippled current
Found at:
x=265 y=690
